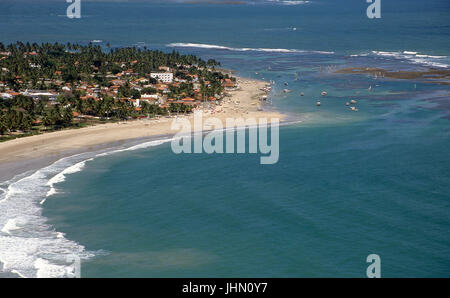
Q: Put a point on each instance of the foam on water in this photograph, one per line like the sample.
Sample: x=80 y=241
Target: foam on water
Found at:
x=60 y=177
x=11 y=225
x=25 y=235
x=219 y=47
x=29 y=246
x=410 y=56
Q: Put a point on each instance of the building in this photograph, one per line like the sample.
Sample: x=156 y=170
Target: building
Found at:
x=6 y=96
x=229 y=84
x=149 y=96
x=118 y=82
x=37 y=94
x=165 y=77
x=136 y=102
x=164 y=68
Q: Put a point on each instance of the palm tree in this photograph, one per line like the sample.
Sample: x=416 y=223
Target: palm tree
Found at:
x=3 y=124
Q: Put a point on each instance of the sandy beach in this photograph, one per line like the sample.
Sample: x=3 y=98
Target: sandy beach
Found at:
x=244 y=103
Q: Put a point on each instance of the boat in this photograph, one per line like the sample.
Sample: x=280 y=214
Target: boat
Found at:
x=354 y=109
x=324 y=93
x=302 y=94
x=286 y=90
x=347 y=103
x=353 y=101
x=318 y=103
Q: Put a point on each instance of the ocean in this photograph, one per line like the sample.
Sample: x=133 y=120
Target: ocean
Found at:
x=346 y=185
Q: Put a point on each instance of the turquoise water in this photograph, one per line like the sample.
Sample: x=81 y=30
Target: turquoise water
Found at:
x=346 y=185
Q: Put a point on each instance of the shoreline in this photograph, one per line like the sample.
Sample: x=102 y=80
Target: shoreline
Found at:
x=432 y=75
x=29 y=153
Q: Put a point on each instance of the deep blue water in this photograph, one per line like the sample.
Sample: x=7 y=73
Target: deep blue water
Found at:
x=346 y=185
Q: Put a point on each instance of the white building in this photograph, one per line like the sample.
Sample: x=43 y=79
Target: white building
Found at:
x=149 y=96
x=165 y=77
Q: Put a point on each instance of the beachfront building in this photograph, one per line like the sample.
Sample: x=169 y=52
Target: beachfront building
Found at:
x=165 y=77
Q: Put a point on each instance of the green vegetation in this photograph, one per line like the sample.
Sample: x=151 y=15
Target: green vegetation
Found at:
x=55 y=86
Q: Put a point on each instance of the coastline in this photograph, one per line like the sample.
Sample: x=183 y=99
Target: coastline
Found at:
x=24 y=154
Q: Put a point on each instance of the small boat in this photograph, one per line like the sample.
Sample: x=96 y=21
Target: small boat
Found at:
x=302 y=94
x=286 y=90
x=354 y=109
x=324 y=93
x=318 y=103
x=347 y=103
x=286 y=84
x=353 y=101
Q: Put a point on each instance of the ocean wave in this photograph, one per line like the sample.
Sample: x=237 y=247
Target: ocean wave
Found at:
x=29 y=247
x=410 y=56
x=25 y=235
x=218 y=47
x=288 y=2
x=137 y=147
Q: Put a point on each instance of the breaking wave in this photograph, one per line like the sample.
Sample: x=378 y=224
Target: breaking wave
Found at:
x=412 y=57
x=218 y=47
x=29 y=246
